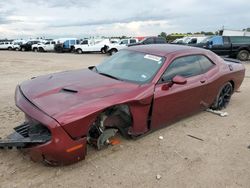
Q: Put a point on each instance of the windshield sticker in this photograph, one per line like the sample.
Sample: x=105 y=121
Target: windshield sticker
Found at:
x=152 y=57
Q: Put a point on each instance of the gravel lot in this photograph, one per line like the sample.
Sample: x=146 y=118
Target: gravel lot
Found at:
x=221 y=160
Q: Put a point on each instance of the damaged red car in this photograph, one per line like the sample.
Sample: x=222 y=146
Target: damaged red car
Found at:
x=138 y=90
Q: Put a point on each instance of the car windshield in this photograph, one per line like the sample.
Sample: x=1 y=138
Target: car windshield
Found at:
x=131 y=66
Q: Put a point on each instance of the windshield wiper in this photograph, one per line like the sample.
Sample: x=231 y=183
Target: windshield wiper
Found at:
x=108 y=75
x=105 y=74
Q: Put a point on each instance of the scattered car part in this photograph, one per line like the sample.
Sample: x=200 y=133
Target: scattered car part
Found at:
x=220 y=113
x=195 y=137
x=26 y=135
x=103 y=139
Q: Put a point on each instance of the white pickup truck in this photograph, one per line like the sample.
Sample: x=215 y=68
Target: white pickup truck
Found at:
x=115 y=47
x=6 y=45
x=92 y=46
x=48 y=46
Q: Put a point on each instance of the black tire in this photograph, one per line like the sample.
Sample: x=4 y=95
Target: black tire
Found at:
x=79 y=51
x=22 y=49
x=9 y=48
x=113 y=51
x=223 y=97
x=40 y=49
x=103 y=51
x=59 y=49
x=35 y=50
x=243 y=55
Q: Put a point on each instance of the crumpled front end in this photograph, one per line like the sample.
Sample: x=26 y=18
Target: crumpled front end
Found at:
x=43 y=138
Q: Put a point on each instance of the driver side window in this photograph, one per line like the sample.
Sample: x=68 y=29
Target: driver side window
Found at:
x=186 y=66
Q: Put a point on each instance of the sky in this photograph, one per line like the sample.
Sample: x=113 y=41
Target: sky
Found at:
x=84 y=18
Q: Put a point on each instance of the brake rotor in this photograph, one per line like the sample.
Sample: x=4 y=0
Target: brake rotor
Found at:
x=103 y=139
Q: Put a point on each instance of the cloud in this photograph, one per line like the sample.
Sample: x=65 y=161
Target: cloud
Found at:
x=138 y=18
x=63 y=3
x=54 y=18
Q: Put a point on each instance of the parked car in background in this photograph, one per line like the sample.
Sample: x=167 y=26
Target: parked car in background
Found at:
x=6 y=45
x=115 y=47
x=92 y=46
x=16 y=45
x=34 y=47
x=65 y=44
x=48 y=46
x=232 y=46
x=189 y=40
x=150 y=40
x=28 y=45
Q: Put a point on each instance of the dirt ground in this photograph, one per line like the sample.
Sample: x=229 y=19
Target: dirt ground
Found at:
x=222 y=159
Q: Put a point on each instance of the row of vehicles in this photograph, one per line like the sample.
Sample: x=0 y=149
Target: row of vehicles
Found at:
x=230 y=46
x=78 y=46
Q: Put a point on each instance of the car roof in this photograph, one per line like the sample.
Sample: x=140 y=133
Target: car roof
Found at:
x=165 y=49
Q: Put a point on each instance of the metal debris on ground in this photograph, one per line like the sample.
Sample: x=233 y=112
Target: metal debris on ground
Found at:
x=158 y=176
x=114 y=141
x=160 y=137
x=220 y=113
x=195 y=137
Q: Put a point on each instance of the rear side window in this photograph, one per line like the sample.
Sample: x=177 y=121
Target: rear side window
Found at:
x=132 y=41
x=184 y=66
x=124 y=42
x=226 y=40
x=159 y=41
x=149 y=41
x=206 y=64
x=240 y=39
x=72 y=42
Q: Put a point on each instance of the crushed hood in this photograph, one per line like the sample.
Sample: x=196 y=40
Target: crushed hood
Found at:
x=58 y=93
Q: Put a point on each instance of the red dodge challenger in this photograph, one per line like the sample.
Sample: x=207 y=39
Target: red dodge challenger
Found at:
x=136 y=91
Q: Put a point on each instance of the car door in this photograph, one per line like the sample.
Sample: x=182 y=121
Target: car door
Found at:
x=173 y=101
x=210 y=71
x=1 y=45
x=217 y=45
x=52 y=46
x=5 y=45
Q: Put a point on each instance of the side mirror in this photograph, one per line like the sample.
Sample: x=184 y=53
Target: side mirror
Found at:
x=209 y=43
x=179 y=80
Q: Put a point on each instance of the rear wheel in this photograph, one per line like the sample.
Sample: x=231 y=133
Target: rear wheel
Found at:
x=9 y=48
x=22 y=49
x=223 y=97
x=79 y=51
x=243 y=55
x=41 y=49
x=35 y=50
x=112 y=51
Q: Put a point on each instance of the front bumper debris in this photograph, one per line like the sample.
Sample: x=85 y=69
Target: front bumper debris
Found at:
x=23 y=137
